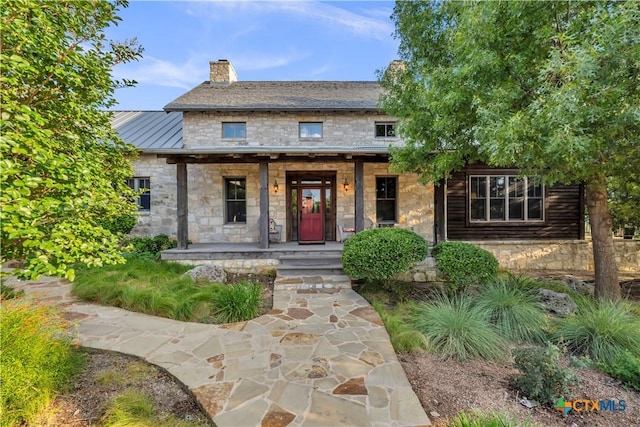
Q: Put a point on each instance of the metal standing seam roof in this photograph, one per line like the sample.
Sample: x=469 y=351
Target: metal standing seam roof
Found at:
x=280 y=96
x=149 y=131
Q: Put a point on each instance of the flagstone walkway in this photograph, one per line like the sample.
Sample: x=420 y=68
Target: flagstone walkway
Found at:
x=319 y=358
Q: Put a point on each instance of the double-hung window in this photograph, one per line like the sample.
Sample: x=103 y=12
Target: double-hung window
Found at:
x=143 y=187
x=236 y=200
x=234 y=130
x=385 y=129
x=386 y=208
x=505 y=198
x=310 y=130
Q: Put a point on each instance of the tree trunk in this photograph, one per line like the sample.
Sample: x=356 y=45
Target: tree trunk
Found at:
x=607 y=285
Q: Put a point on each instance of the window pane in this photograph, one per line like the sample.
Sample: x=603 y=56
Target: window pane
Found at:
x=310 y=130
x=236 y=189
x=496 y=186
x=391 y=130
x=516 y=187
x=496 y=209
x=478 y=208
x=236 y=211
x=535 y=190
x=145 y=201
x=386 y=210
x=386 y=188
x=381 y=131
x=534 y=210
x=478 y=187
x=516 y=209
x=234 y=130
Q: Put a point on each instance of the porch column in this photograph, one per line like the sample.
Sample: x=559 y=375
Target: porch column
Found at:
x=359 y=194
x=182 y=202
x=263 y=222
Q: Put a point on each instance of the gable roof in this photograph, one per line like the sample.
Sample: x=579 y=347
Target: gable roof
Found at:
x=149 y=130
x=280 y=96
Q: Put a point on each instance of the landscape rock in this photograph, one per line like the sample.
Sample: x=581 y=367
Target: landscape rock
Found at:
x=558 y=303
x=578 y=285
x=212 y=273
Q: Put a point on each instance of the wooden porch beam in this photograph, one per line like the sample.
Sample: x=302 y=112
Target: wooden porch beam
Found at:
x=263 y=222
x=359 y=194
x=182 y=206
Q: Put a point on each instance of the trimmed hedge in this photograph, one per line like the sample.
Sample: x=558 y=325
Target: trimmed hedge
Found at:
x=464 y=264
x=379 y=254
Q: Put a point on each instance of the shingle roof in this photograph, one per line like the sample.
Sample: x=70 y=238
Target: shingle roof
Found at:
x=149 y=130
x=280 y=96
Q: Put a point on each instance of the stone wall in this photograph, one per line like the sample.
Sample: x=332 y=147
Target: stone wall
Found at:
x=204 y=130
x=238 y=265
x=522 y=255
x=415 y=201
x=162 y=217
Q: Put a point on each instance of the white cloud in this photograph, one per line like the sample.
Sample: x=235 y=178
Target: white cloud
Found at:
x=164 y=73
x=370 y=23
x=262 y=60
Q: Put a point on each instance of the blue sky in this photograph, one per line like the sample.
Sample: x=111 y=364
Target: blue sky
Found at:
x=264 y=40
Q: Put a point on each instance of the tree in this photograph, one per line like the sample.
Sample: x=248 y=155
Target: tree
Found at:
x=548 y=87
x=63 y=168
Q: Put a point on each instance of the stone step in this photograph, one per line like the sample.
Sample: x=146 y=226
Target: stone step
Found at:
x=311 y=259
x=301 y=282
x=309 y=270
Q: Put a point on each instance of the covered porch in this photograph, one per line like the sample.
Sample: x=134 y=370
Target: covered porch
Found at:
x=281 y=178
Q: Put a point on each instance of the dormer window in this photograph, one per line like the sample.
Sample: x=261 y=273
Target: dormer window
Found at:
x=234 y=130
x=310 y=130
x=385 y=129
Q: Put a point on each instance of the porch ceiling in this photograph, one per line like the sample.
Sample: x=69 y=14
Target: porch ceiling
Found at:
x=276 y=154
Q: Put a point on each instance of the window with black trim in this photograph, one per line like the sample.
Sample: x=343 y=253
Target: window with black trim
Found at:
x=310 y=130
x=236 y=200
x=234 y=130
x=505 y=198
x=386 y=187
x=385 y=129
x=143 y=186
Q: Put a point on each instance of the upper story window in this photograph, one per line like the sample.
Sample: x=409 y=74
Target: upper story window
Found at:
x=234 y=130
x=235 y=200
x=505 y=198
x=386 y=209
x=143 y=186
x=385 y=129
x=310 y=130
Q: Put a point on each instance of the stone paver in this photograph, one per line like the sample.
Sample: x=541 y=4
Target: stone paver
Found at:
x=319 y=358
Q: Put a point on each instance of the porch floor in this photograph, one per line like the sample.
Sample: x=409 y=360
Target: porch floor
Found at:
x=225 y=250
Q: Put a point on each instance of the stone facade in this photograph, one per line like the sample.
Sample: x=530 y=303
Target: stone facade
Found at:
x=207 y=199
x=163 y=215
x=522 y=255
x=204 y=130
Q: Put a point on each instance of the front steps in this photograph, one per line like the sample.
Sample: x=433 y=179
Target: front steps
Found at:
x=311 y=270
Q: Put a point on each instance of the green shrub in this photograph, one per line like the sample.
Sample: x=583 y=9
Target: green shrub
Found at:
x=404 y=338
x=454 y=327
x=150 y=247
x=379 y=254
x=235 y=303
x=121 y=224
x=624 y=367
x=464 y=264
x=514 y=311
x=479 y=419
x=542 y=378
x=601 y=330
x=37 y=360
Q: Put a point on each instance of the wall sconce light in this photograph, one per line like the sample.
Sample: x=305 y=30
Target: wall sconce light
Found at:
x=275 y=186
x=346 y=185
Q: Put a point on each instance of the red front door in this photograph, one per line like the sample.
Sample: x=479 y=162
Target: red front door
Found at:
x=311 y=208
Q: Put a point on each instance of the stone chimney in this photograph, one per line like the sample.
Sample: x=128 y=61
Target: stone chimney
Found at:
x=221 y=72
